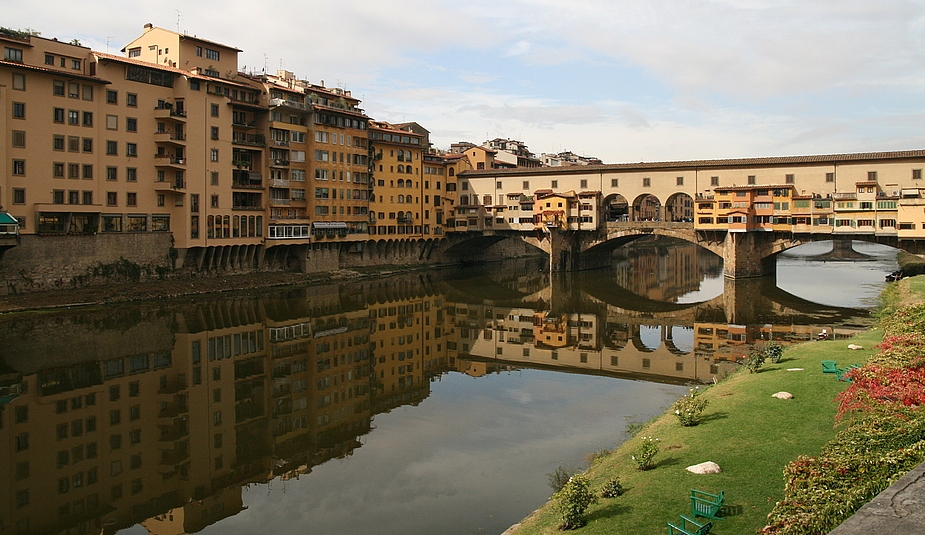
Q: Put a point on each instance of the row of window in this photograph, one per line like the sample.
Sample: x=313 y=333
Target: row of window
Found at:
x=345 y=176
x=15 y=54
x=343 y=194
x=679 y=181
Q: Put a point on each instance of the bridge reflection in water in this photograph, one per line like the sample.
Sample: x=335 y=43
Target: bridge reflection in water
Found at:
x=162 y=413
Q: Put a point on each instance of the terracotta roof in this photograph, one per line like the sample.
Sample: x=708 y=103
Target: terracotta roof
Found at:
x=175 y=70
x=387 y=127
x=833 y=159
x=191 y=37
x=62 y=74
x=335 y=109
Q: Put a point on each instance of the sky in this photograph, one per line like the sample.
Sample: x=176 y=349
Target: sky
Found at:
x=621 y=80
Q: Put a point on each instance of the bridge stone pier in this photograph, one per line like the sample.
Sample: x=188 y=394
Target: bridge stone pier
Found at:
x=750 y=254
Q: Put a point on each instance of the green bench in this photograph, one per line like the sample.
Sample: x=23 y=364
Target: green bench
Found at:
x=689 y=527
x=829 y=366
x=705 y=504
x=842 y=373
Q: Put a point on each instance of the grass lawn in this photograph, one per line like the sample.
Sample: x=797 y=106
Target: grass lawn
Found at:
x=750 y=434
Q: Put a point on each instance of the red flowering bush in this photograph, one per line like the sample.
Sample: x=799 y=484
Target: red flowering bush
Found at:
x=884 y=439
x=885 y=387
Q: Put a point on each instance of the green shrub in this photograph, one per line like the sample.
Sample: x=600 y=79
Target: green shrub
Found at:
x=612 y=489
x=573 y=500
x=774 y=351
x=689 y=408
x=646 y=452
x=755 y=360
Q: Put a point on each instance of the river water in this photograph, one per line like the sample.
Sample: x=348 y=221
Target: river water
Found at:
x=425 y=402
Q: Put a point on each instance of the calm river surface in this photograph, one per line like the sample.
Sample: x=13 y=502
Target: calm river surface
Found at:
x=428 y=402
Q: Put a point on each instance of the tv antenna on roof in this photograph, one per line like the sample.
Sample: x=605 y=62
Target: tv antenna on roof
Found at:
x=108 y=39
x=178 y=20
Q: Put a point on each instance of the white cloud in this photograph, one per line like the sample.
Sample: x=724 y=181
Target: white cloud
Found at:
x=623 y=80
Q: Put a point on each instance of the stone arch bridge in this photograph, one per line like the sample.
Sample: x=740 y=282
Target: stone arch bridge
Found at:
x=745 y=254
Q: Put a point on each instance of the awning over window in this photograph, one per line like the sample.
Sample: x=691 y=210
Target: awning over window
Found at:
x=7 y=219
x=325 y=224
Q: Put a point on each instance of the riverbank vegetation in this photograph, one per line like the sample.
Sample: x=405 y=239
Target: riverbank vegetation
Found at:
x=757 y=439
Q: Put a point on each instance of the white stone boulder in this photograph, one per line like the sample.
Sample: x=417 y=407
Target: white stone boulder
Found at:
x=855 y=346
x=708 y=467
x=782 y=395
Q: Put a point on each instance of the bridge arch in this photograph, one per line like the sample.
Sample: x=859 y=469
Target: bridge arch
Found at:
x=679 y=208
x=646 y=207
x=620 y=233
x=615 y=207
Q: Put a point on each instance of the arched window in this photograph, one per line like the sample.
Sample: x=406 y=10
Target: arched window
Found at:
x=259 y=233
x=401 y=199
x=226 y=228
x=408 y=217
x=401 y=182
x=452 y=171
x=210 y=227
x=235 y=226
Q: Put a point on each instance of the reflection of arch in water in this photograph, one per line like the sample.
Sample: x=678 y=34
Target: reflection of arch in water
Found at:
x=647 y=207
x=648 y=338
x=616 y=208
x=620 y=297
x=679 y=339
x=679 y=207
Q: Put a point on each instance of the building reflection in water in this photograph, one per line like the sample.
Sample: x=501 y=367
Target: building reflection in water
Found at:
x=162 y=414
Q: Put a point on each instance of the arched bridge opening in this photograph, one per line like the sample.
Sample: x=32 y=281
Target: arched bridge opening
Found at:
x=597 y=249
x=491 y=245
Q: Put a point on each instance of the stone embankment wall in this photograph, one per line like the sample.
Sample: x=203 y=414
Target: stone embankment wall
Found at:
x=64 y=262
x=61 y=262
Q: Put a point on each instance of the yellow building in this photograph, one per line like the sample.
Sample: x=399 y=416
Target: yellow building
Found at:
x=399 y=193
